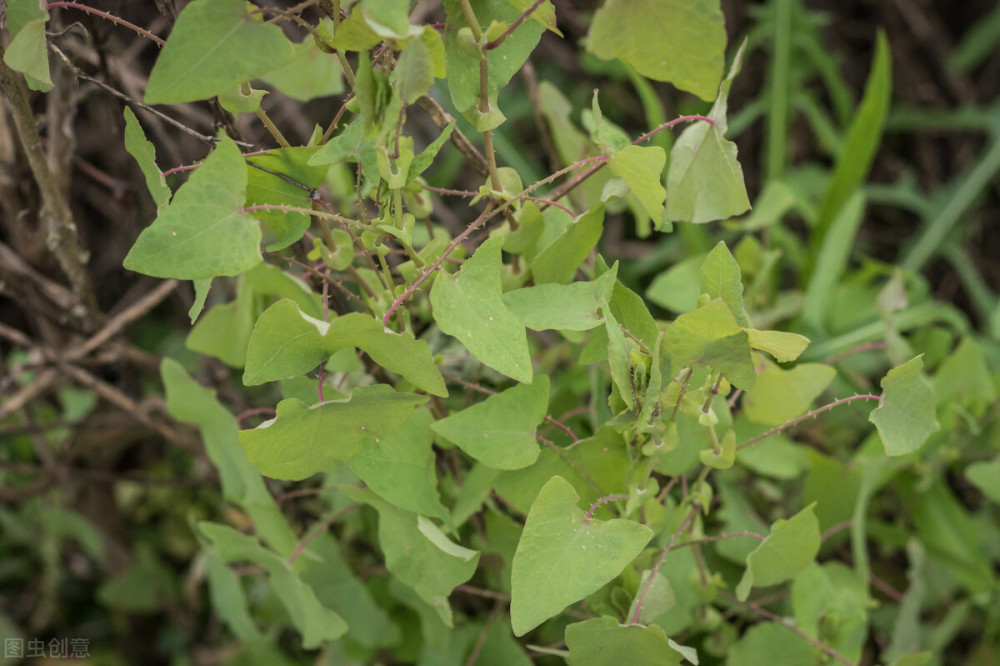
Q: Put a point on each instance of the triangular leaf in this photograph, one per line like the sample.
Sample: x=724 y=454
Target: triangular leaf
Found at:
x=721 y=278
x=605 y=642
x=301 y=440
x=571 y=307
x=558 y=262
x=204 y=232
x=500 y=431
x=705 y=181
x=562 y=557
x=783 y=346
x=642 y=170
x=144 y=154
x=469 y=306
x=905 y=417
x=215 y=45
x=680 y=41
x=785 y=553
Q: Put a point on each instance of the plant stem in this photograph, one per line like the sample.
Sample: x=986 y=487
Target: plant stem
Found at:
x=489 y=46
x=663 y=556
x=110 y=17
x=807 y=415
x=599 y=502
x=305 y=211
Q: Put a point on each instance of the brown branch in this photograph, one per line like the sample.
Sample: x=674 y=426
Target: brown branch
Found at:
x=442 y=118
x=62 y=238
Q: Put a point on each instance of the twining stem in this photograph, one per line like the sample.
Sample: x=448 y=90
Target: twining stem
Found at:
x=305 y=211
x=768 y=615
x=808 y=415
x=680 y=396
x=489 y=46
x=663 y=556
x=599 y=502
x=110 y=17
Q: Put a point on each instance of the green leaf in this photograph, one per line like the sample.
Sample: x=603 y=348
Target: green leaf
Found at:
x=782 y=395
x=265 y=188
x=605 y=642
x=204 y=232
x=727 y=453
x=224 y=331
x=336 y=587
x=228 y=599
x=311 y=73
x=400 y=468
x=562 y=557
x=544 y=14
x=767 y=644
x=503 y=62
x=790 y=547
x=388 y=18
x=354 y=34
x=691 y=333
x=705 y=181
x=985 y=475
x=237 y=100
x=620 y=359
x=377 y=100
x=571 y=307
x=28 y=53
x=905 y=417
x=418 y=553
x=783 y=346
x=832 y=262
x=500 y=431
x=287 y=342
x=680 y=41
x=215 y=45
x=642 y=170
x=863 y=138
x=314 y=621
x=657 y=601
x=721 y=278
x=470 y=307
x=677 y=289
x=145 y=155
x=731 y=356
x=426 y=157
x=558 y=262
x=189 y=402
x=301 y=440
x=414 y=73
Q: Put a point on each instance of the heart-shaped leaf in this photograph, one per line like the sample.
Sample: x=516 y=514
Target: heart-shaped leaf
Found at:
x=562 y=556
x=905 y=417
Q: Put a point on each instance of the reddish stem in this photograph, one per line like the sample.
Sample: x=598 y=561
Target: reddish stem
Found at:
x=600 y=501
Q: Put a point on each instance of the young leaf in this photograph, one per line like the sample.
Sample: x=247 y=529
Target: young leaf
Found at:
x=314 y=621
x=562 y=557
x=470 y=307
x=680 y=41
x=605 y=642
x=558 y=262
x=786 y=552
x=691 y=333
x=301 y=440
x=145 y=155
x=418 y=553
x=502 y=62
x=500 y=431
x=783 y=346
x=985 y=475
x=705 y=181
x=781 y=395
x=642 y=170
x=571 y=307
x=204 y=232
x=189 y=402
x=905 y=417
x=215 y=45
x=721 y=278
x=400 y=468
x=414 y=73
x=287 y=342
x=426 y=157
x=28 y=51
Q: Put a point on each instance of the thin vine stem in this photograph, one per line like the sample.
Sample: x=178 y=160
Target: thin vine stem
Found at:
x=489 y=46
x=601 y=501
x=110 y=17
x=695 y=507
x=808 y=415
